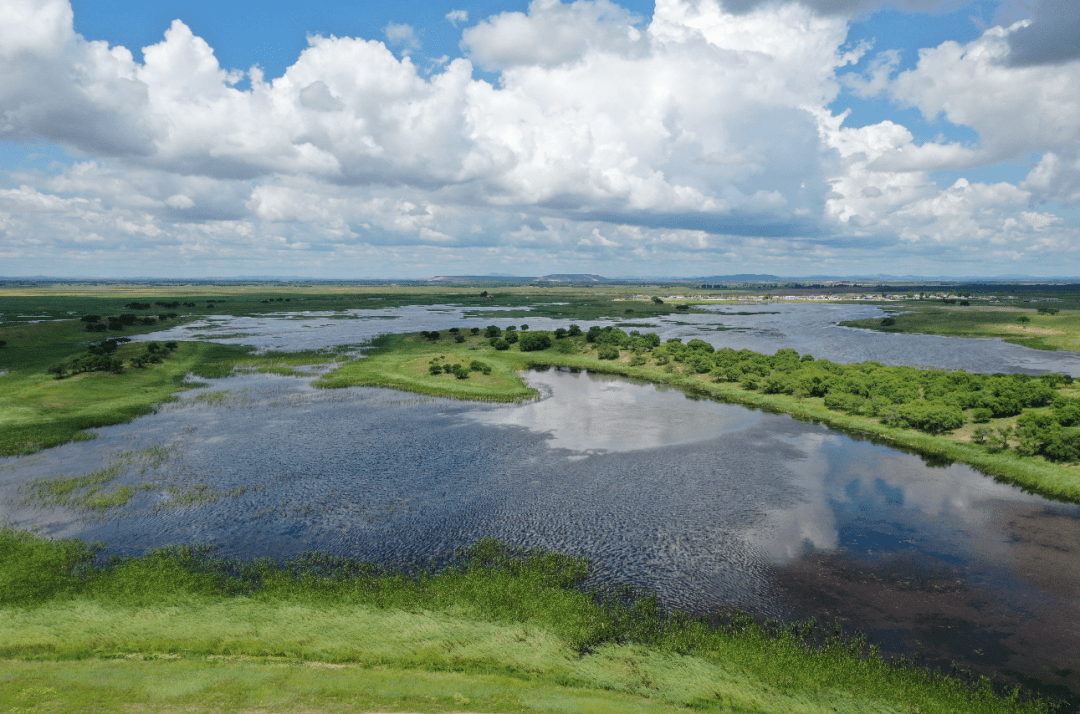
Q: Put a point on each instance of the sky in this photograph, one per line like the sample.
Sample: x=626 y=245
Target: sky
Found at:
x=681 y=138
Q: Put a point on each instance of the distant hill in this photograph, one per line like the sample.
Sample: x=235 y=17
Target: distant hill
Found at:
x=572 y=278
x=741 y=278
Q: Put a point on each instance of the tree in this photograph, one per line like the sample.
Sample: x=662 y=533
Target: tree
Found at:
x=574 y=331
x=1023 y=319
x=492 y=331
x=500 y=344
x=560 y=333
x=657 y=301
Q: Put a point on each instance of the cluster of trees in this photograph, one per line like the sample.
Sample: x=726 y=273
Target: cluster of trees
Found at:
x=119 y=322
x=154 y=354
x=101 y=357
x=437 y=367
x=934 y=401
x=210 y=302
x=1048 y=310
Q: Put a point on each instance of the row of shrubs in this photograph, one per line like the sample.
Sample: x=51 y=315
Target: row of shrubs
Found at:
x=437 y=367
x=930 y=400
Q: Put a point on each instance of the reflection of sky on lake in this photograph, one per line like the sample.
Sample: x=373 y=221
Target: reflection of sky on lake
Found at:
x=711 y=505
x=806 y=328
x=591 y=414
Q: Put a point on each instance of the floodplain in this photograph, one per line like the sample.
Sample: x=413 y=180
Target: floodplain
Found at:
x=410 y=358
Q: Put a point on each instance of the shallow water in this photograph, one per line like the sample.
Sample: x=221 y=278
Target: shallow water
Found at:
x=711 y=505
x=806 y=328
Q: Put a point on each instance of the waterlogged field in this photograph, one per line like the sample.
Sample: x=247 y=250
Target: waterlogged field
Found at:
x=660 y=503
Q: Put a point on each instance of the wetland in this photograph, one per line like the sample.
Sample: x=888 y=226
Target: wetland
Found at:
x=712 y=506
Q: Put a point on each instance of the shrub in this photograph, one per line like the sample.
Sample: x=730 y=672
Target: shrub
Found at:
x=607 y=352
x=534 y=342
x=492 y=331
x=888 y=321
x=574 y=331
x=500 y=344
x=459 y=338
x=981 y=416
x=474 y=330
x=511 y=337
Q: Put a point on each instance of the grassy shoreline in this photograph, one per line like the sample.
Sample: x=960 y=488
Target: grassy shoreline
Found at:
x=491 y=629
x=400 y=362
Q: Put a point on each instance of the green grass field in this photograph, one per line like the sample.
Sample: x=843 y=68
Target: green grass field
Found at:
x=493 y=630
x=1044 y=332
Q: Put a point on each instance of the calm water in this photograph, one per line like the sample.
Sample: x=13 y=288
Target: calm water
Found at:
x=711 y=505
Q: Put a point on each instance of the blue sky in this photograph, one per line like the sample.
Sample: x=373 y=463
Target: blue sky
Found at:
x=696 y=137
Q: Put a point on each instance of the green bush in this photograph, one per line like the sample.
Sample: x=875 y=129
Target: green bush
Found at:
x=607 y=352
x=535 y=341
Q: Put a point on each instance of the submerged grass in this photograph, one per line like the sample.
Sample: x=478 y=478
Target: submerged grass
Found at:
x=490 y=629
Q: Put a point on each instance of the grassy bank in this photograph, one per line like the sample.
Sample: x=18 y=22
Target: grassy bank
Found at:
x=491 y=630
x=403 y=361
x=38 y=410
x=1022 y=326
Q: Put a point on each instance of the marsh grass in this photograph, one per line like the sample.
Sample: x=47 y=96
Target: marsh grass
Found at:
x=491 y=619
x=91 y=491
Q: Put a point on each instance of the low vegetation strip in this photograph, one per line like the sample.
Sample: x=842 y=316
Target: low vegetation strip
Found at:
x=489 y=629
x=1043 y=328
x=1018 y=428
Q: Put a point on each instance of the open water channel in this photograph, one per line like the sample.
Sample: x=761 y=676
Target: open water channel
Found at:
x=711 y=505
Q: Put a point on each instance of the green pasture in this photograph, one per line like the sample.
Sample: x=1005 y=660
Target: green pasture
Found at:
x=492 y=629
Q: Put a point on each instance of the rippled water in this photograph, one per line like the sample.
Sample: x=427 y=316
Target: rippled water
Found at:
x=711 y=505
